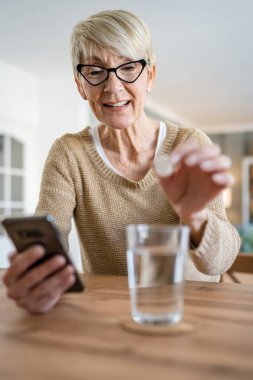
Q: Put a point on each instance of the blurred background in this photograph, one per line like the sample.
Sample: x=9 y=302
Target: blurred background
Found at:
x=204 y=53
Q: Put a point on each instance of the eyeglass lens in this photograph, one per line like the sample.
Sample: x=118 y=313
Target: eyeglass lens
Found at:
x=128 y=72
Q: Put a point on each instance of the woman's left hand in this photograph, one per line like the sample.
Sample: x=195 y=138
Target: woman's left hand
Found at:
x=200 y=174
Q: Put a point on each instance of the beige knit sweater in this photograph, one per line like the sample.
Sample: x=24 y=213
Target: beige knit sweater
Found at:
x=76 y=182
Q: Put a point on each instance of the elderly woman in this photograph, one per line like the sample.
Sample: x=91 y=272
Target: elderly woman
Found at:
x=105 y=176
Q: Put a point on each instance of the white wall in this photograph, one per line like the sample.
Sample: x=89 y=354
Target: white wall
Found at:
x=19 y=116
x=37 y=111
x=62 y=109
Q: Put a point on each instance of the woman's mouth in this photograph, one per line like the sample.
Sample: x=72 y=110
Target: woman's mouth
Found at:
x=117 y=104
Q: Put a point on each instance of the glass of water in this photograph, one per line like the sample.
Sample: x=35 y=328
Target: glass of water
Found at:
x=155 y=259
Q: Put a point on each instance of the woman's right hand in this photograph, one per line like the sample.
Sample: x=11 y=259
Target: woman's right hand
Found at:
x=40 y=288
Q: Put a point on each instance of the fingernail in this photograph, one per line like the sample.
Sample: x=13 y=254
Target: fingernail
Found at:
x=206 y=165
x=191 y=160
x=226 y=179
x=61 y=260
x=72 y=279
x=70 y=269
x=40 y=251
x=174 y=158
x=219 y=177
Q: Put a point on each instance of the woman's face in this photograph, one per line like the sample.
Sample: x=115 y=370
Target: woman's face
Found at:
x=115 y=103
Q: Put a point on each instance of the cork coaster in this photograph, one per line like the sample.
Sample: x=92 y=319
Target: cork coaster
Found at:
x=186 y=326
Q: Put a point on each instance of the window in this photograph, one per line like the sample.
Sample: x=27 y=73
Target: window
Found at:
x=11 y=176
x=247 y=190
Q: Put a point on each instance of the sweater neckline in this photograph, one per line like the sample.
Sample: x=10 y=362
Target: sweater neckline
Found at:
x=108 y=173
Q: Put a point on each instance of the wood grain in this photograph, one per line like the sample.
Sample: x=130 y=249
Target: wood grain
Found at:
x=82 y=338
x=242 y=264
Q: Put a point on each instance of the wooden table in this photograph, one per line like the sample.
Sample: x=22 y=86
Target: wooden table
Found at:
x=82 y=337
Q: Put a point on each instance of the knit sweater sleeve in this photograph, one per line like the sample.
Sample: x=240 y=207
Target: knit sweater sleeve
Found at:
x=221 y=242
x=57 y=192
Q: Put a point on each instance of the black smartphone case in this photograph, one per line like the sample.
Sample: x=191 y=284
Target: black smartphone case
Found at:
x=27 y=231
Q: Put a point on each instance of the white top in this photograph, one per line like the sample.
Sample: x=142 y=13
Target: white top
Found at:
x=96 y=139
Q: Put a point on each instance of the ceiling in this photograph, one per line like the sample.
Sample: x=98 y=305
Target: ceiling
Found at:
x=204 y=51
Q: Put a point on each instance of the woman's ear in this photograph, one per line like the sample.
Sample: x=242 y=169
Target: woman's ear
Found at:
x=151 y=78
x=80 y=89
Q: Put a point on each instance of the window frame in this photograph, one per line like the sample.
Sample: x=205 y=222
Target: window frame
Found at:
x=7 y=205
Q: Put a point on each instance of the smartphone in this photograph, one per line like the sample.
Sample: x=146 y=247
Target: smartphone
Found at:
x=27 y=231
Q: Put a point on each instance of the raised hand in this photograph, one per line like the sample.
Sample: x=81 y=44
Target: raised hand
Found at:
x=200 y=174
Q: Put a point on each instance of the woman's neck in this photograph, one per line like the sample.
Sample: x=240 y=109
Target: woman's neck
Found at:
x=132 y=143
x=131 y=150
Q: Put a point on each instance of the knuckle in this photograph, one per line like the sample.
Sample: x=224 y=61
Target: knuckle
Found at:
x=51 y=284
x=55 y=293
x=20 y=303
x=45 y=305
x=11 y=294
x=39 y=273
x=45 y=308
x=43 y=287
x=55 y=283
x=32 y=276
x=62 y=284
x=31 y=305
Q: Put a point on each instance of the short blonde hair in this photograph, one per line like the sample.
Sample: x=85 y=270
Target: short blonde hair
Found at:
x=119 y=31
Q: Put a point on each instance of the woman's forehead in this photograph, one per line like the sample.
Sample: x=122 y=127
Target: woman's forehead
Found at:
x=105 y=57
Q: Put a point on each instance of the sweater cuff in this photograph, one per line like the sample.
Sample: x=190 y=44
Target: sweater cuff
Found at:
x=203 y=255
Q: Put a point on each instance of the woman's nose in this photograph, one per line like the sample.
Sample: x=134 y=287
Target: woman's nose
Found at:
x=113 y=83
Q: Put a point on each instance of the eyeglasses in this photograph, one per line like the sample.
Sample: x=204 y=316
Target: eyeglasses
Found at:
x=128 y=72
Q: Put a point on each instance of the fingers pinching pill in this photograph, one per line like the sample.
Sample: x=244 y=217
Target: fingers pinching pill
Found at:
x=163 y=166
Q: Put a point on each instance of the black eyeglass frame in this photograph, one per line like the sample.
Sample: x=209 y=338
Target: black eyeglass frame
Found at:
x=112 y=69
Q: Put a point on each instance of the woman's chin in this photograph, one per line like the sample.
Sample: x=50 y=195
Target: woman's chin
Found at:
x=118 y=122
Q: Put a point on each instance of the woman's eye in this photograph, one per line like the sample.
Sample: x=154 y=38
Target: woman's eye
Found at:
x=128 y=68
x=95 y=72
